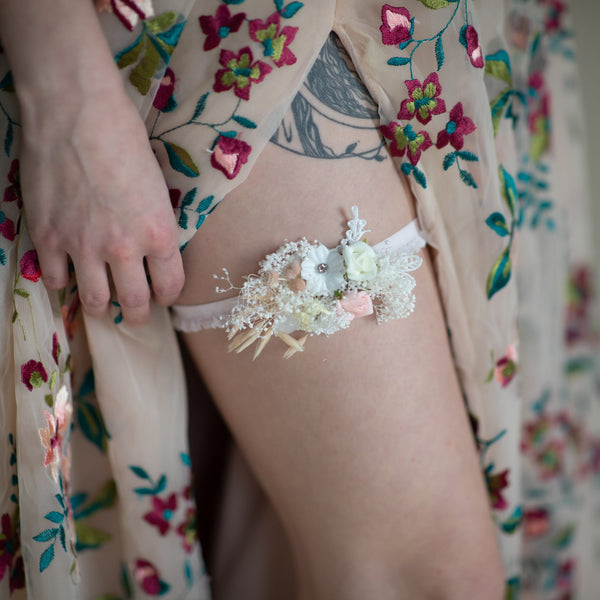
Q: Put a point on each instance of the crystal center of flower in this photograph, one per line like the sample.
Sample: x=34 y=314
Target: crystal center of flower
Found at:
x=322 y=268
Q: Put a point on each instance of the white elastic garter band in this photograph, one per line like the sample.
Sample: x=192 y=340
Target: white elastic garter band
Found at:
x=310 y=288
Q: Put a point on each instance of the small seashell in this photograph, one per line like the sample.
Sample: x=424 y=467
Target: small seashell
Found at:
x=297 y=285
x=271 y=278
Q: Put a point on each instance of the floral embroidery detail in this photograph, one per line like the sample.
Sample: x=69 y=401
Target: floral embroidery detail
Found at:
x=239 y=72
x=274 y=40
x=495 y=484
x=13 y=192
x=506 y=367
x=229 y=155
x=536 y=522
x=55 y=347
x=187 y=530
x=129 y=12
x=397 y=26
x=7 y=227
x=148 y=578
x=538 y=107
x=406 y=141
x=423 y=101
x=162 y=512
x=220 y=26
x=30 y=266
x=164 y=100
x=33 y=374
x=550 y=459
x=579 y=296
x=456 y=128
x=11 y=561
x=470 y=40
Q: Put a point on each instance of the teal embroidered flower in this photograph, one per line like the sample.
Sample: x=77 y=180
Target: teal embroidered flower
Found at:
x=423 y=101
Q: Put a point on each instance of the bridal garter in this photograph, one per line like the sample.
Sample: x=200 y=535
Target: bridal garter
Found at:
x=309 y=288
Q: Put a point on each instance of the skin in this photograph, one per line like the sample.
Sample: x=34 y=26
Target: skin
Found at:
x=361 y=442
x=75 y=113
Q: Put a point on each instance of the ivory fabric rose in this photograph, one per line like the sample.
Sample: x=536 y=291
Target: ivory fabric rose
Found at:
x=361 y=261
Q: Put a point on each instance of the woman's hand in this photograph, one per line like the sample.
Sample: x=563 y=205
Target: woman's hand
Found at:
x=93 y=191
x=92 y=188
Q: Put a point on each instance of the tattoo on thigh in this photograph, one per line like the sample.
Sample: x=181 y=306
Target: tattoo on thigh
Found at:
x=333 y=115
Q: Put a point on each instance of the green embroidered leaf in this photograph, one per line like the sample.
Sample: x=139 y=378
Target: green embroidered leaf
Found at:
x=200 y=106
x=161 y=485
x=205 y=204
x=467 y=178
x=564 y=537
x=8 y=139
x=171 y=36
x=183 y=220
x=398 y=61
x=449 y=160
x=53 y=379
x=513 y=589
x=498 y=65
x=161 y=22
x=514 y=521
x=439 y=52
x=125 y=582
x=435 y=4
x=406 y=168
x=91 y=423
x=144 y=491
x=185 y=459
x=55 y=517
x=2 y=257
x=130 y=55
x=21 y=292
x=189 y=198
x=419 y=177
x=46 y=558
x=46 y=535
x=509 y=190
x=140 y=472
x=278 y=3
x=142 y=74
x=244 y=122
x=87 y=385
x=89 y=537
x=189 y=574
x=291 y=9
x=499 y=274
x=498 y=223
x=466 y=155
x=106 y=498
x=164 y=588
x=181 y=160
x=200 y=221
x=49 y=400
x=497 y=107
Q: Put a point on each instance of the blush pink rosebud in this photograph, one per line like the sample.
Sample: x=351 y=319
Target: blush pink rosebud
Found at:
x=357 y=304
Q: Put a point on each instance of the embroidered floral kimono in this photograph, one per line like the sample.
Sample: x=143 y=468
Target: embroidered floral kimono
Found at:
x=476 y=101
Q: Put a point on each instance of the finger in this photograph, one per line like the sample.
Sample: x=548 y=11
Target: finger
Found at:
x=55 y=269
x=167 y=277
x=93 y=286
x=133 y=292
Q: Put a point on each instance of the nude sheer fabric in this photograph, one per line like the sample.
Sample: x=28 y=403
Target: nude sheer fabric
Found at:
x=477 y=103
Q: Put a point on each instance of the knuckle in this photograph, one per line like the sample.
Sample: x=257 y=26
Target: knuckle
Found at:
x=168 y=289
x=94 y=299
x=134 y=299
x=55 y=282
x=137 y=318
x=162 y=236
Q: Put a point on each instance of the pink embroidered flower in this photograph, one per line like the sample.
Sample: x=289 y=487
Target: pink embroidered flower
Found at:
x=10 y=559
x=423 y=101
x=536 y=522
x=356 y=304
x=397 y=26
x=239 y=72
x=406 y=141
x=473 y=47
x=13 y=192
x=495 y=484
x=129 y=12
x=7 y=227
x=147 y=576
x=220 y=26
x=535 y=432
x=175 y=197
x=33 y=374
x=229 y=155
x=162 y=512
x=187 y=530
x=554 y=14
x=274 y=40
x=30 y=266
x=52 y=436
x=550 y=459
x=506 y=367
x=55 y=347
x=457 y=127
x=164 y=100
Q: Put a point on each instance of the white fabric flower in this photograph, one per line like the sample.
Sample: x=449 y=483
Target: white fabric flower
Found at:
x=361 y=261
x=323 y=270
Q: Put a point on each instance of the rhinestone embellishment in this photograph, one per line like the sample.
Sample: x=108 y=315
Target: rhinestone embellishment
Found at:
x=322 y=268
